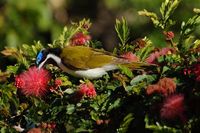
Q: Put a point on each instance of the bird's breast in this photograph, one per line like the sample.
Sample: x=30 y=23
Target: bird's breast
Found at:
x=95 y=72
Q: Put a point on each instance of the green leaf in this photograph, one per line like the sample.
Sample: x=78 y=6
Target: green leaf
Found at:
x=142 y=78
x=125 y=70
x=154 y=18
x=157 y=128
x=65 y=81
x=3 y=130
x=12 y=69
x=196 y=44
x=94 y=116
x=70 y=109
x=139 y=82
x=143 y=53
x=167 y=8
x=196 y=10
x=187 y=28
x=69 y=91
x=114 y=105
x=69 y=31
x=165 y=69
x=125 y=123
x=160 y=59
x=122 y=30
x=111 y=87
x=31 y=50
x=40 y=112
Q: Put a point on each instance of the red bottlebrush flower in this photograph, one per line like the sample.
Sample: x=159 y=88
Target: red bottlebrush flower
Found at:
x=198 y=78
x=107 y=121
x=19 y=83
x=165 y=51
x=35 y=130
x=173 y=107
x=53 y=125
x=80 y=39
x=52 y=88
x=58 y=82
x=153 y=57
x=99 y=122
x=152 y=89
x=187 y=71
x=165 y=86
x=87 y=89
x=33 y=82
x=169 y=35
x=130 y=57
x=196 y=71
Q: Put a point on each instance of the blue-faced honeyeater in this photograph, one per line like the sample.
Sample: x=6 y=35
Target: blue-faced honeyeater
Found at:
x=84 y=62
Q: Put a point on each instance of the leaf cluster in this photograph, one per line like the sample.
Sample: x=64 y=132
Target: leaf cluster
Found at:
x=122 y=103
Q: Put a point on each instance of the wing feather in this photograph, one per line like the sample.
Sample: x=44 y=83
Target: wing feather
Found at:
x=82 y=57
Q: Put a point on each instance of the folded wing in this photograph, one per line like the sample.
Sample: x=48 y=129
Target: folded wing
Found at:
x=86 y=58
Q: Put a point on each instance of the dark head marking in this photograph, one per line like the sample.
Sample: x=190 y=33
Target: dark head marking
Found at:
x=42 y=55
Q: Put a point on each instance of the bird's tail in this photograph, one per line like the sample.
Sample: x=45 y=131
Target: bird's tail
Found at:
x=138 y=65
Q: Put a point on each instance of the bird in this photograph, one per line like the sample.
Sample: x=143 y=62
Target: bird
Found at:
x=83 y=62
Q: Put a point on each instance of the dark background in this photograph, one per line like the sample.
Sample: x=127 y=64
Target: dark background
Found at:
x=24 y=21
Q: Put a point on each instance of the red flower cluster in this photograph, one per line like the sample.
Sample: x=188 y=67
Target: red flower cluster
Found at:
x=35 y=130
x=196 y=71
x=49 y=125
x=33 y=82
x=87 y=89
x=130 y=57
x=169 y=35
x=173 y=107
x=164 y=86
x=80 y=39
x=152 y=59
x=187 y=71
x=58 y=82
x=100 y=121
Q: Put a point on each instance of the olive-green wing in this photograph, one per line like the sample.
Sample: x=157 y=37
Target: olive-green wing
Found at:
x=86 y=58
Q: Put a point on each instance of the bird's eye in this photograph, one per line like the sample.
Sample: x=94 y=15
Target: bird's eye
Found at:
x=39 y=57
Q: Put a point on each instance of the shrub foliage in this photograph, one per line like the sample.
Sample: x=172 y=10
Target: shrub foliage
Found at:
x=163 y=97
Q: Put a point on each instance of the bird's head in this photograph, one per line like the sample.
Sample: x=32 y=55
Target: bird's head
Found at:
x=41 y=56
x=47 y=56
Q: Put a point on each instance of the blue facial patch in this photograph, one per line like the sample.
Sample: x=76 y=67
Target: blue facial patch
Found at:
x=39 y=57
